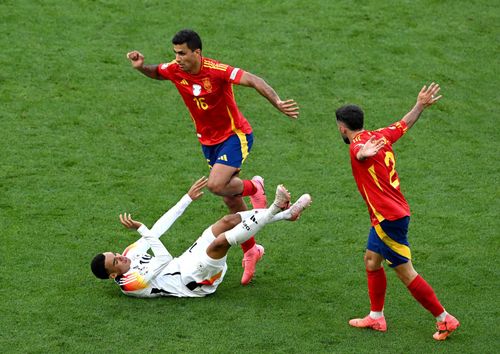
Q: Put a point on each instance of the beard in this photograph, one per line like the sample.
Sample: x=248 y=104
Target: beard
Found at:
x=346 y=139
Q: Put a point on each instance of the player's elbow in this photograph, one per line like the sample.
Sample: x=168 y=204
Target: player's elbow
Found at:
x=254 y=81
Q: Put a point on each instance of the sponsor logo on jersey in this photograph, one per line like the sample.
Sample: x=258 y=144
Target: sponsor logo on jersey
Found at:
x=196 y=89
x=184 y=82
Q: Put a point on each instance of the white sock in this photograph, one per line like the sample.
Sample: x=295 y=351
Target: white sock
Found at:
x=441 y=317
x=376 y=314
x=248 y=213
x=273 y=209
x=248 y=226
x=283 y=215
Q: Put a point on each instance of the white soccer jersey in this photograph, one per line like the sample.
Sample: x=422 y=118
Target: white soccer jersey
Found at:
x=193 y=274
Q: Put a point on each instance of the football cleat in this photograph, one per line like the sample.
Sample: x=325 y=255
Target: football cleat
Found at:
x=282 y=199
x=298 y=207
x=250 y=259
x=446 y=327
x=258 y=200
x=368 y=322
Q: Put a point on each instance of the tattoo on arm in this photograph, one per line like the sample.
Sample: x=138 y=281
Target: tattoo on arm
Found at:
x=267 y=91
x=150 y=71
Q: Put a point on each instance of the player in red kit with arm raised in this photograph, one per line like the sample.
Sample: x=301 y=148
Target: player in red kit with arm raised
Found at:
x=373 y=167
x=224 y=133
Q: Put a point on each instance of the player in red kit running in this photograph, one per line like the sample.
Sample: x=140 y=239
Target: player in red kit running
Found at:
x=225 y=135
x=373 y=167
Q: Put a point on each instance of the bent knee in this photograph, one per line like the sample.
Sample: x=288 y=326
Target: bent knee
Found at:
x=216 y=187
x=225 y=223
x=372 y=262
x=231 y=220
x=219 y=243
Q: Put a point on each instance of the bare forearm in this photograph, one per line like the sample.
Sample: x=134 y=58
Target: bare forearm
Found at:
x=287 y=107
x=267 y=91
x=412 y=116
x=149 y=71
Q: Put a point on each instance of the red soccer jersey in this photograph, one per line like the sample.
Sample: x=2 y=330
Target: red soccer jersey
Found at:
x=376 y=176
x=209 y=98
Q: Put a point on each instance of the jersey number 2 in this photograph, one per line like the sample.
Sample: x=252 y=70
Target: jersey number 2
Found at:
x=389 y=161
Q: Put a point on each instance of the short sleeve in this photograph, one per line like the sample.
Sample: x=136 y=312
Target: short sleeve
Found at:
x=394 y=131
x=164 y=70
x=233 y=75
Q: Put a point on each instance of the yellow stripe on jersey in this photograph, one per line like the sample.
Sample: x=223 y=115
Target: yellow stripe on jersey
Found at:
x=132 y=282
x=399 y=248
x=212 y=279
x=379 y=216
x=242 y=136
x=216 y=66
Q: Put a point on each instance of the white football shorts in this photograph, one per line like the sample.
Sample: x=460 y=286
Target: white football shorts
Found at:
x=200 y=273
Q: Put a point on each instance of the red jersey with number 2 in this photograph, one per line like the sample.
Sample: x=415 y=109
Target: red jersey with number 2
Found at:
x=376 y=177
x=209 y=98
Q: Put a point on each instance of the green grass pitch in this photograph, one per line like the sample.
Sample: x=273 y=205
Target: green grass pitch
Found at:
x=84 y=137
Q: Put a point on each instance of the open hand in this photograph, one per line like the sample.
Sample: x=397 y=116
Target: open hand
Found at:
x=195 y=191
x=128 y=222
x=289 y=107
x=428 y=95
x=370 y=148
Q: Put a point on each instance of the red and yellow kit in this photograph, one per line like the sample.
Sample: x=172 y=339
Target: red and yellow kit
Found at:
x=376 y=177
x=209 y=98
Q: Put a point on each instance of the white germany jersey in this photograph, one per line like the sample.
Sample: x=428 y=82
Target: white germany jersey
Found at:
x=193 y=274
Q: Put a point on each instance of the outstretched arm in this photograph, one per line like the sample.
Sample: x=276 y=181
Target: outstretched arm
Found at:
x=137 y=61
x=426 y=98
x=287 y=107
x=166 y=221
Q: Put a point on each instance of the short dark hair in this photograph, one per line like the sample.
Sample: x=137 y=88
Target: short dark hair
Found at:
x=190 y=37
x=351 y=115
x=98 y=267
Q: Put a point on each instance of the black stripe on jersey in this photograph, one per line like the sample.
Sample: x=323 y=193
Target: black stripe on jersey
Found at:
x=159 y=291
x=193 y=285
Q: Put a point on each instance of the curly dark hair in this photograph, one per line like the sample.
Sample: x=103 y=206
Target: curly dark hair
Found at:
x=351 y=115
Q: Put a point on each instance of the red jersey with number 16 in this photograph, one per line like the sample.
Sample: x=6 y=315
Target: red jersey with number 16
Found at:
x=209 y=98
x=376 y=176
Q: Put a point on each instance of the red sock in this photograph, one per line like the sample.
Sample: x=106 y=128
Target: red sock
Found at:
x=377 y=284
x=248 y=188
x=424 y=294
x=245 y=246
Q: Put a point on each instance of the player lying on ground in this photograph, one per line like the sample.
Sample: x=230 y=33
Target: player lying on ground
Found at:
x=373 y=167
x=201 y=268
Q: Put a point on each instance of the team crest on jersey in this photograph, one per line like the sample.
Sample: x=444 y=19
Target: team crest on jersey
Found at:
x=196 y=90
x=207 y=85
